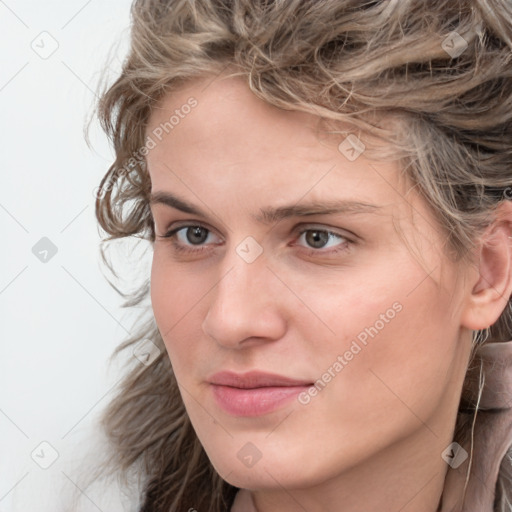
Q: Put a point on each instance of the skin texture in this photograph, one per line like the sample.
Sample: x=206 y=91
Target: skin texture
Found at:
x=372 y=438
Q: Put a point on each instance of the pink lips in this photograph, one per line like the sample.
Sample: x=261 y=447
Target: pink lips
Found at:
x=254 y=393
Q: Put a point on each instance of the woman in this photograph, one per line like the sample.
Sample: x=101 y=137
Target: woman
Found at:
x=324 y=186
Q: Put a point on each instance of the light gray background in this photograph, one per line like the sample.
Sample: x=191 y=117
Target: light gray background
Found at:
x=60 y=319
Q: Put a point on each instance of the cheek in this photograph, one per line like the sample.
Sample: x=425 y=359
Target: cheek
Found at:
x=392 y=319
x=175 y=290
x=179 y=297
x=164 y=291
x=174 y=299
x=397 y=350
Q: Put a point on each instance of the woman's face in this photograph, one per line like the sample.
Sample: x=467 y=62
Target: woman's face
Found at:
x=294 y=257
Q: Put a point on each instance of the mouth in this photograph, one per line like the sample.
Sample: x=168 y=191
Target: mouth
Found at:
x=254 y=393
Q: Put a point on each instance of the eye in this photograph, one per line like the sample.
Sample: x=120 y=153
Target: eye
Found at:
x=184 y=238
x=315 y=238
x=196 y=235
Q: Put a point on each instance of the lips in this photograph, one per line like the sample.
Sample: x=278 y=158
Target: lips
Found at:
x=254 y=379
x=254 y=393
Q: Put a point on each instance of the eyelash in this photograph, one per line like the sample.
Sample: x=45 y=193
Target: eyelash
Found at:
x=171 y=234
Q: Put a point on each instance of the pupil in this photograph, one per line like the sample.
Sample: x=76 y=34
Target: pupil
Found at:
x=317 y=239
x=196 y=234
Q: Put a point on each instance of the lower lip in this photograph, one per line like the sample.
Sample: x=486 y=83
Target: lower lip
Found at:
x=256 y=401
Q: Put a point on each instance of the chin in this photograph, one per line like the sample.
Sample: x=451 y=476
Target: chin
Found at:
x=270 y=472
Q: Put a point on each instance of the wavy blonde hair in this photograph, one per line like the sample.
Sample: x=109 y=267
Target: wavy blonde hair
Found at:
x=346 y=61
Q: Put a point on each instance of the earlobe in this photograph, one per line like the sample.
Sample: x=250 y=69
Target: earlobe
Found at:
x=493 y=287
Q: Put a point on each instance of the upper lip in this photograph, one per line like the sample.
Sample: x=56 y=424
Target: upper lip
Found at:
x=254 y=379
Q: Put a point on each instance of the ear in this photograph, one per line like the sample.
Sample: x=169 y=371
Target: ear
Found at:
x=492 y=279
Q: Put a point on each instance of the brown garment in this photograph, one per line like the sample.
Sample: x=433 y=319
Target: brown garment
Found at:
x=492 y=438
x=492 y=434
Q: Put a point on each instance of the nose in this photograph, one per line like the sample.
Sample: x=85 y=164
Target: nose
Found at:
x=245 y=307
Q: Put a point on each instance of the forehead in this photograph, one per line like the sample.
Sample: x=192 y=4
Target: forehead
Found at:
x=225 y=108
x=231 y=134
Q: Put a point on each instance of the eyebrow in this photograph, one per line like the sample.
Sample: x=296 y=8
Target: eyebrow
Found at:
x=274 y=214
